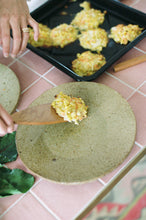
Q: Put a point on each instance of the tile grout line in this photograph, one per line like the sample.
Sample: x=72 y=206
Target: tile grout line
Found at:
x=35 y=184
x=17 y=58
x=18 y=200
x=106 y=184
x=137 y=90
x=48 y=71
x=87 y=204
x=34 y=70
x=142 y=84
x=139 y=145
x=11 y=206
x=102 y=182
x=28 y=67
x=134 y=3
x=33 y=83
x=119 y=171
x=142 y=51
x=121 y=81
x=13 y=61
x=24 y=53
x=28 y=87
x=49 y=81
x=44 y=205
x=141 y=93
x=38 y=74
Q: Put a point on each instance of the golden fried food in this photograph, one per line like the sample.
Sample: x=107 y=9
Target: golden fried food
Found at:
x=44 y=39
x=88 y=18
x=124 y=33
x=85 y=5
x=72 y=109
x=94 y=39
x=87 y=63
x=63 y=35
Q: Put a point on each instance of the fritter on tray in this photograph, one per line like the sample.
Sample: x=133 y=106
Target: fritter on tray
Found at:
x=94 y=39
x=87 y=63
x=88 y=18
x=124 y=33
x=63 y=35
x=44 y=39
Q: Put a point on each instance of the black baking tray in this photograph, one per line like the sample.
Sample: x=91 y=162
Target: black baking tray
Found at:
x=51 y=15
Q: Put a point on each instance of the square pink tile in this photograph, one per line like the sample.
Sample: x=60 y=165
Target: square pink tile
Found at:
x=138 y=104
x=143 y=88
x=140 y=5
x=142 y=45
x=32 y=93
x=66 y=200
x=36 y=63
x=127 y=185
x=3 y=60
x=133 y=76
x=6 y=202
x=128 y=2
x=124 y=90
x=58 y=77
x=28 y=208
x=25 y=75
x=112 y=174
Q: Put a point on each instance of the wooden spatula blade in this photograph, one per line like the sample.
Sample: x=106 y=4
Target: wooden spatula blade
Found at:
x=37 y=115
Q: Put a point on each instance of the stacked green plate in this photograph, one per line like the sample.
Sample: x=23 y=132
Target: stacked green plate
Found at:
x=9 y=88
x=69 y=153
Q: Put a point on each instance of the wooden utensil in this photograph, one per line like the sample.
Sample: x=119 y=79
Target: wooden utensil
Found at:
x=129 y=63
x=37 y=115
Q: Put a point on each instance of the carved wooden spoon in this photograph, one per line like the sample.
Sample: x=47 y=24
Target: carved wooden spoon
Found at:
x=37 y=115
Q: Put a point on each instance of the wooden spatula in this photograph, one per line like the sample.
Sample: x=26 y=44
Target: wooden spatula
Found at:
x=128 y=63
x=37 y=115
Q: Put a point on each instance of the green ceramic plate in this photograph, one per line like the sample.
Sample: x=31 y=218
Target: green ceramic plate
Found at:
x=9 y=88
x=69 y=153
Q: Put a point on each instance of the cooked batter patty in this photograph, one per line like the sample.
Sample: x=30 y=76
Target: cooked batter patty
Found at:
x=44 y=37
x=72 y=109
x=124 y=33
x=87 y=63
x=88 y=18
x=63 y=35
x=94 y=39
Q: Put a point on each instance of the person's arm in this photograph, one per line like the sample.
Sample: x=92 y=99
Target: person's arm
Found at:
x=14 y=15
x=6 y=122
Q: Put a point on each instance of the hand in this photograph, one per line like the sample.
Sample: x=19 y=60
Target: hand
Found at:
x=14 y=15
x=6 y=122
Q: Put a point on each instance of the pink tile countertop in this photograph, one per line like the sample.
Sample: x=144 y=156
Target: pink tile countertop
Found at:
x=51 y=201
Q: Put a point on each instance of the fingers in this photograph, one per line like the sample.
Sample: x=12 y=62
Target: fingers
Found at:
x=5 y=36
x=0 y=38
x=6 y=122
x=14 y=15
x=35 y=27
x=24 y=35
x=3 y=128
x=20 y=38
x=14 y=22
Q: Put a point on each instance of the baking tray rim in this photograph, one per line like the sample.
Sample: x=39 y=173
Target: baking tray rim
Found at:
x=113 y=59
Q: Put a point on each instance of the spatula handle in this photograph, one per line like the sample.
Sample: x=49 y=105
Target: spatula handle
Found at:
x=129 y=63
